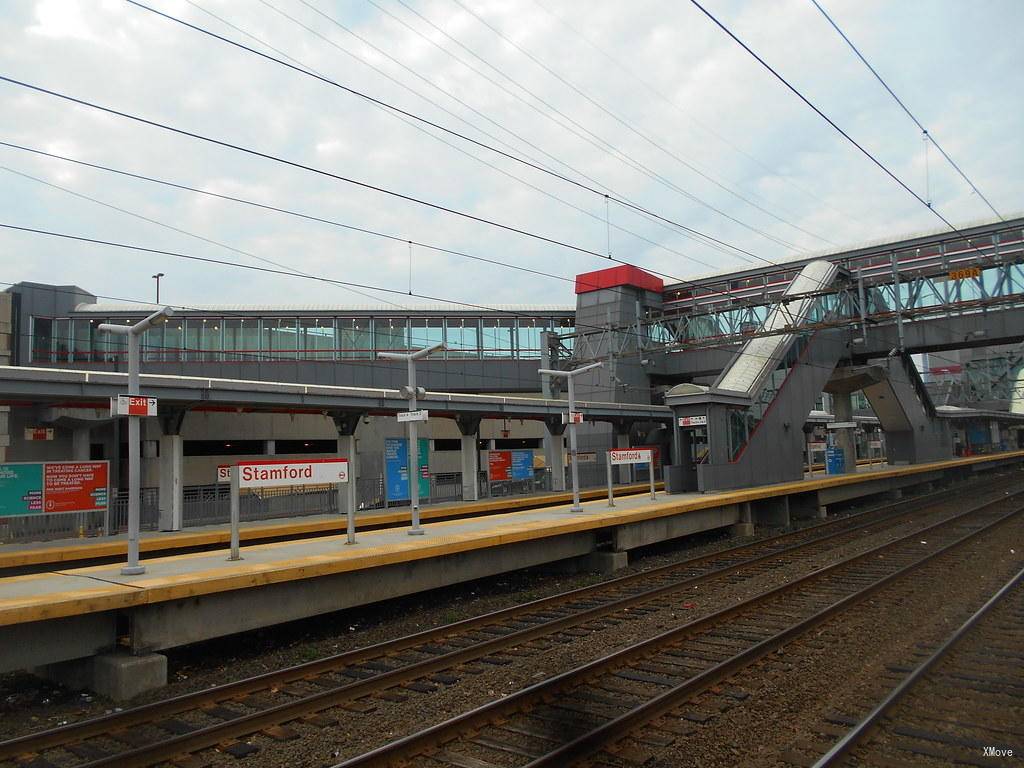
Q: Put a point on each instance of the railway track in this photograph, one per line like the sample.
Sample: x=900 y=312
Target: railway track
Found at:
x=580 y=713
x=963 y=703
x=220 y=716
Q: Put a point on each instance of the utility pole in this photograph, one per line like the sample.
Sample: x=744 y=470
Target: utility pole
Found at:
x=134 y=333
x=412 y=392
x=573 y=419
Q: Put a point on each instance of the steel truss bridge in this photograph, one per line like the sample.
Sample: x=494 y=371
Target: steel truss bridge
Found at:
x=925 y=294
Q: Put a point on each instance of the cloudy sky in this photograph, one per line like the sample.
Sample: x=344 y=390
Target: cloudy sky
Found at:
x=647 y=101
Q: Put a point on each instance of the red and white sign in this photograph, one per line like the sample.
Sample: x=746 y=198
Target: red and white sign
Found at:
x=38 y=433
x=223 y=473
x=573 y=417
x=413 y=416
x=628 y=456
x=270 y=474
x=132 y=405
x=693 y=421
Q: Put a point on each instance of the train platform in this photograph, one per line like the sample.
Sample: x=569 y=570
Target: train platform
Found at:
x=56 y=553
x=76 y=613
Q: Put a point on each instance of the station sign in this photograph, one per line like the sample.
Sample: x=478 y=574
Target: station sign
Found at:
x=573 y=417
x=842 y=425
x=38 y=433
x=618 y=456
x=271 y=474
x=53 y=487
x=693 y=421
x=132 y=405
x=582 y=457
x=413 y=415
x=223 y=473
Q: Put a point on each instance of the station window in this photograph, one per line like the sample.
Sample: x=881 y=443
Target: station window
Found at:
x=174 y=340
x=42 y=339
x=497 y=336
x=241 y=339
x=528 y=334
x=151 y=345
x=354 y=339
x=305 y=446
x=389 y=333
x=447 y=444
x=62 y=340
x=425 y=332
x=280 y=338
x=463 y=336
x=317 y=338
x=82 y=331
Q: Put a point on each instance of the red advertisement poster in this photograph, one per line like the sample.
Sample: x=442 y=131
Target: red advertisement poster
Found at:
x=499 y=465
x=75 y=486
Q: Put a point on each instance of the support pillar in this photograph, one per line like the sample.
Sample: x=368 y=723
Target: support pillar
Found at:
x=346 y=424
x=555 y=430
x=469 y=428
x=80 y=444
x=172 y=472
x=845 y=438
x=745 y=525
x=622 y=441
x=773 y=512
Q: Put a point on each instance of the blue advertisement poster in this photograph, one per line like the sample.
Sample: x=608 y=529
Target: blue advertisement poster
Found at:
x=522 y=465
x=396 y=468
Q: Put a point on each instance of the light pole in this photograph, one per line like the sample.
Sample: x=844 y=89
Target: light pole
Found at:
x=134 y=333
x=411 y=391
x=569 y=376
x=157 y=277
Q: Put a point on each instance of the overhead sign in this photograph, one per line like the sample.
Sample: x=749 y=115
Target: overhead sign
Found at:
x=53 y=487
x=573 y=417
x=842 y=425
x=38 y=433
x=132 y=405
x=223 y=473
x=271 y=474
x=965 y=273
x=693 y=421
x=396 y=468
x=413 y=415
x=628 y=456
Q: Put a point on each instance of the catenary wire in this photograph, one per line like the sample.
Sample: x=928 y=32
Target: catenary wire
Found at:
x=904 y=107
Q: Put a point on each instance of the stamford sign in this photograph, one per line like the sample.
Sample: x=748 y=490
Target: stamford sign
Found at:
x=629 y=456
x=270 y=474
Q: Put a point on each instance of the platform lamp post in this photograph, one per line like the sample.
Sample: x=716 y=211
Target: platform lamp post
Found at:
x=569 y=376
x=412 y=392
x=134 y=333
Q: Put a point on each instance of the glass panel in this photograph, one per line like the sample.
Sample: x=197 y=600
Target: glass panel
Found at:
x=497 y=336
x=463 y=336
x=425 y=331
x=280 y=339
x=62 y=340
x=317 y=342
x=82 y=346
x=528 y=337
x=42 y=339
x=354 y=340
x=174 y=340
x=151 y=345
x=191 y=344
x=389 y=333
x=562 y=326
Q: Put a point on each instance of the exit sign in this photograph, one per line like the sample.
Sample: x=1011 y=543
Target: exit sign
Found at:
x=132 y=405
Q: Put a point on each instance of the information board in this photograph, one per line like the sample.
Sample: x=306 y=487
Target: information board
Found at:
x=509 y=465
x=53 y=487
x=396 y=468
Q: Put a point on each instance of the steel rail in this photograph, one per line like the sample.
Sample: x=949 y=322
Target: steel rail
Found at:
x=414 y=744
x=842 y=747
x=250 y=723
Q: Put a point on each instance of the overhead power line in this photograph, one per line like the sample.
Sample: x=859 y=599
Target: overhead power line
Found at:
x=831 y=122
x=398 y=110
x=903 y=106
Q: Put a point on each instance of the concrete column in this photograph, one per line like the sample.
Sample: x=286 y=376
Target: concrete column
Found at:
x=556 y=430
x=845 y=438
x=625 y=470
x=745 y=525
x=469 y=427
x=80 y=444
x=171 y=483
